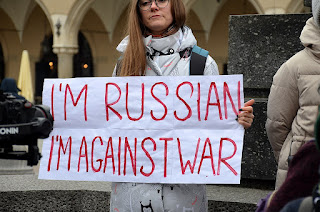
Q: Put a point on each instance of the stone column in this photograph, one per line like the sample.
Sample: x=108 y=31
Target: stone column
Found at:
x=65 y=60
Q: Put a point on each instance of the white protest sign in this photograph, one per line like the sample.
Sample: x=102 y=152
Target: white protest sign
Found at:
x=144 y=129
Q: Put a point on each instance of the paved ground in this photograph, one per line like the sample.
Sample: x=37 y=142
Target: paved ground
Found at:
x=223 y=193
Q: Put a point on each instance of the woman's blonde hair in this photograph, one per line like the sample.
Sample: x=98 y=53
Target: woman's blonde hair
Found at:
x=133 y=62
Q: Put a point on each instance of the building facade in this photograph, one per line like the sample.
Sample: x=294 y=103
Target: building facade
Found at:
x=75 y=38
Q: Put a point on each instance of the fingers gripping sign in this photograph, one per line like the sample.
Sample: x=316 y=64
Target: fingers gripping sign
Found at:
x=245 y=117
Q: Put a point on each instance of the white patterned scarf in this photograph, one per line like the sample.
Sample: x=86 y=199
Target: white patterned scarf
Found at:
x=171 y=63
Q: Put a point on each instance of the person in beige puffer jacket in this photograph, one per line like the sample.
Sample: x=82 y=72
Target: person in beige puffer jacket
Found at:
x=294 y=98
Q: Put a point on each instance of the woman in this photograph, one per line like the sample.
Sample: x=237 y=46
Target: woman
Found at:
x=157 y=35
x=293 y=100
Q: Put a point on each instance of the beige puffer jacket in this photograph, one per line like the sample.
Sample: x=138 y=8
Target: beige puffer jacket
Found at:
x=294 y=99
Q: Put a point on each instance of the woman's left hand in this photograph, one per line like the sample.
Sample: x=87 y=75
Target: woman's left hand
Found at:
x=245 y=117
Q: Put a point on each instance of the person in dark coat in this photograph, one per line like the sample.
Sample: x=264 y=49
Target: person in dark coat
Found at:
x=9 y=86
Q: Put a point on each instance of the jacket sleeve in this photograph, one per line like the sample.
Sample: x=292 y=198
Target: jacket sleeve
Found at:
x=283 y=104
x=211 y=67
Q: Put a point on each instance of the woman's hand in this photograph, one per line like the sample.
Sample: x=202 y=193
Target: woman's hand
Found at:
x=245 y=117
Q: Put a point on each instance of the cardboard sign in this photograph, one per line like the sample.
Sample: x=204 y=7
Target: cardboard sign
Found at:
x=144 y=129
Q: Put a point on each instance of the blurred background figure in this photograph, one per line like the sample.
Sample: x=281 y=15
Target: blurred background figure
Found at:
x=9 y=86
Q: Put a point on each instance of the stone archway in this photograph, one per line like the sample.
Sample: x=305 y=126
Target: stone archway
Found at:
x=46 y=67
x=219 y=34
x=188 y=3
x=37 y=30
x=194 y=23
x=65 y=22
x=11 y=45
x=83 y=61
x=258 y=7
x=295 y=6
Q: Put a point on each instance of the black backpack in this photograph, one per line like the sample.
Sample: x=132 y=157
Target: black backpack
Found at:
x=198 y=60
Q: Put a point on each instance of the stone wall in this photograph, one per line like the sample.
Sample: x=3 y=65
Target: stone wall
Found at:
x=258 y=45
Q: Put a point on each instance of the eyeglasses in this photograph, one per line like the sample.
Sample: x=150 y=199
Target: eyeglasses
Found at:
x=146 y=4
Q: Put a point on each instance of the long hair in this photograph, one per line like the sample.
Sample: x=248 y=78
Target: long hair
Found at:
x=134 y=58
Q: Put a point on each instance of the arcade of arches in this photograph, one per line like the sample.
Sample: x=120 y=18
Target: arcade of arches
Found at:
x=74 y=38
